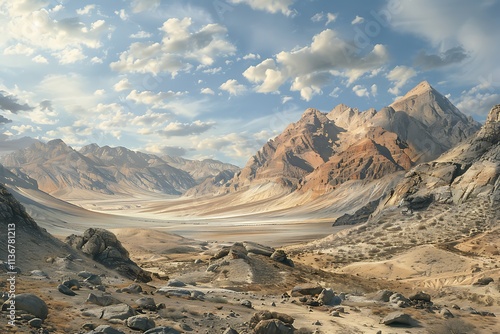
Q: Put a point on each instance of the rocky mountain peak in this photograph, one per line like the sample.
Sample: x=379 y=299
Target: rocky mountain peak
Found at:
x=494 y=115
x=422 y=88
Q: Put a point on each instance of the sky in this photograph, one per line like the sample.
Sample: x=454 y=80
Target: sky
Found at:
x=218 y=78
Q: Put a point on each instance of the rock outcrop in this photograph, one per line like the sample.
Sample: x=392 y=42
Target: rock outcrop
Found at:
x=105 y=248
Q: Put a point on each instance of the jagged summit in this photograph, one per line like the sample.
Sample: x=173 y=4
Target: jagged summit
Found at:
x=494 y=114
x=422 y=88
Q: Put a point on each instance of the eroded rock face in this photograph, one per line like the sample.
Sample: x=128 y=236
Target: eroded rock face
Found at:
x=103 y=246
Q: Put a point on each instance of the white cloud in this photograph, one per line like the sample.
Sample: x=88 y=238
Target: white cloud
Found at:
x=151 y=119
x=270 y=6
x=314 y=66
x=186 y=129
x=18 y=49
x=358 y=20
x=360 y=91
x=232 y=144
x=233 y=87
x=318 y=17
x=40 y=59
x=24 y=128
x=141 y=34
x=85 y=10
x=122 y=85
x=156 y=100
x=399 y=76
x=100 y=92
x=335 y=92
x=212 y=70
x=178 y=50
x=207 y=91
x=330 y=17
x=374 y=90
x=122 y=14
x=251 y=56
x=286 y=99
x=69 y=55
x=96 y=60
x=478 y=101
x=144 y=5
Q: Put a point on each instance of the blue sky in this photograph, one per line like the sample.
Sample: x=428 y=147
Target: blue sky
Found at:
x=217 y=79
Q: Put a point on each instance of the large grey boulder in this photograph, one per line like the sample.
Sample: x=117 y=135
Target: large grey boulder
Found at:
x=30 y=303
x=255 y=248
x=104 y=300
x=105 y=329
x=398 y=318
x=162 y=330
x=146 y=303
x=65 y=290
x=119 y=311
x=273 y=326
x=140 y=322
x=306 y=290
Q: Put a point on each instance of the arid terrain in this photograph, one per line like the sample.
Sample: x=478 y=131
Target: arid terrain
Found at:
x=347 y=222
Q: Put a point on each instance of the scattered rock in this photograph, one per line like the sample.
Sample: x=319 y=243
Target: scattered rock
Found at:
x=94 y=280
x=133 y=288
x=267 y=315
x=383 y=296
x=104 y=300
x=176 y=283
x=280 y=256
x=420 y=296
x=106 y=329
x=255 y=248
x=84 y=274
x=119 y=311
x=38 y=273
x=30 y=303
x=162 y=330
x=35 y=322
x=246 y=303
x=328 y=297
x=398 y=318
x=146 y=303
x=273 y=326
x=230 y=331
x=399 y=300
x=65 y=290
x=445 y=313
x=335 y=314
x=484 y=281
x=306 y=290
x=141 y=323
x=72 y=283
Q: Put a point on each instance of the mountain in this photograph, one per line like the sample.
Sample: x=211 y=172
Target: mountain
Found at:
x=200 y=169
x=322 y=151
x=60 y=170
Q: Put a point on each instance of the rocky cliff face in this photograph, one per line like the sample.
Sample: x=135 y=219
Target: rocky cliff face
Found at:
x=470 y=170
x=322 y=151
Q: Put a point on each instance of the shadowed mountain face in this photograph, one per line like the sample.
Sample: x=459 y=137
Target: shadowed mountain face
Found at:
x=322 y=151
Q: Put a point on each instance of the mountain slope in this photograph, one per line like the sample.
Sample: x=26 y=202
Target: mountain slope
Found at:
x=60 y=170
x=321 y=151
x=200 y=169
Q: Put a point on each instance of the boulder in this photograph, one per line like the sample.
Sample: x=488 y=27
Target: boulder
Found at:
x=119 y=311
x=146 y=303
x=106 y=329
x=246 y=303
x=35 y=322
x=104 y=300
x=268 y=315
x=420 y=296
x=30 y=303
x=176 y=283
x=399 y=300
x=162 y=330
x=255 y=248
x=273 y=326
x=484 y=281
x=133 y=288
x=445 y=313
x=140 y=322
x=398 y=318
x=383 y=296
x=230 y=331
x=306 y=290
x=65 y=290
x=72 y=283
x=93 y=280
x=328 y=297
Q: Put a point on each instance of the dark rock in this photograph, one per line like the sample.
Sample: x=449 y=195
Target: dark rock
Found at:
x=230 y=331
x=246 y=303
x=141 y=323
x=94 y=280
x=146 y=303
x=360 y=216
x=328 y=297
x=30 y=303
x=133 y=288
x=255 y=248
x=484 y=281
x=65 y=290
x=445 y=313
x=106 y=329
x=224 y=251
x=176 y=283
x=72 y=283
x=420 y=296
x=84 y=274
x=35 y=322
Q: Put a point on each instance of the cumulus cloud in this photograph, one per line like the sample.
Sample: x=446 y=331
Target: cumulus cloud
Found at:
x=478 y=101
x=360 y=91
x=233 y=87
x=450 y=56
x=329 y=17
x=151 y=119
x=85 y=10
x=207 y=91
x=141 y=34
x=144 y=5
x=186 y=129
x=313 y=66
x=273 y=6
x=24 y=128
x=122 y=85
x=399 y=76
x=374 y=90
x=39 y=59
x=18 y=49
x=251 y=56
x=10 y=103
x=358 y=20
x=179 y=50
x=151 y=98
x=69 y=55
x=172 y=151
